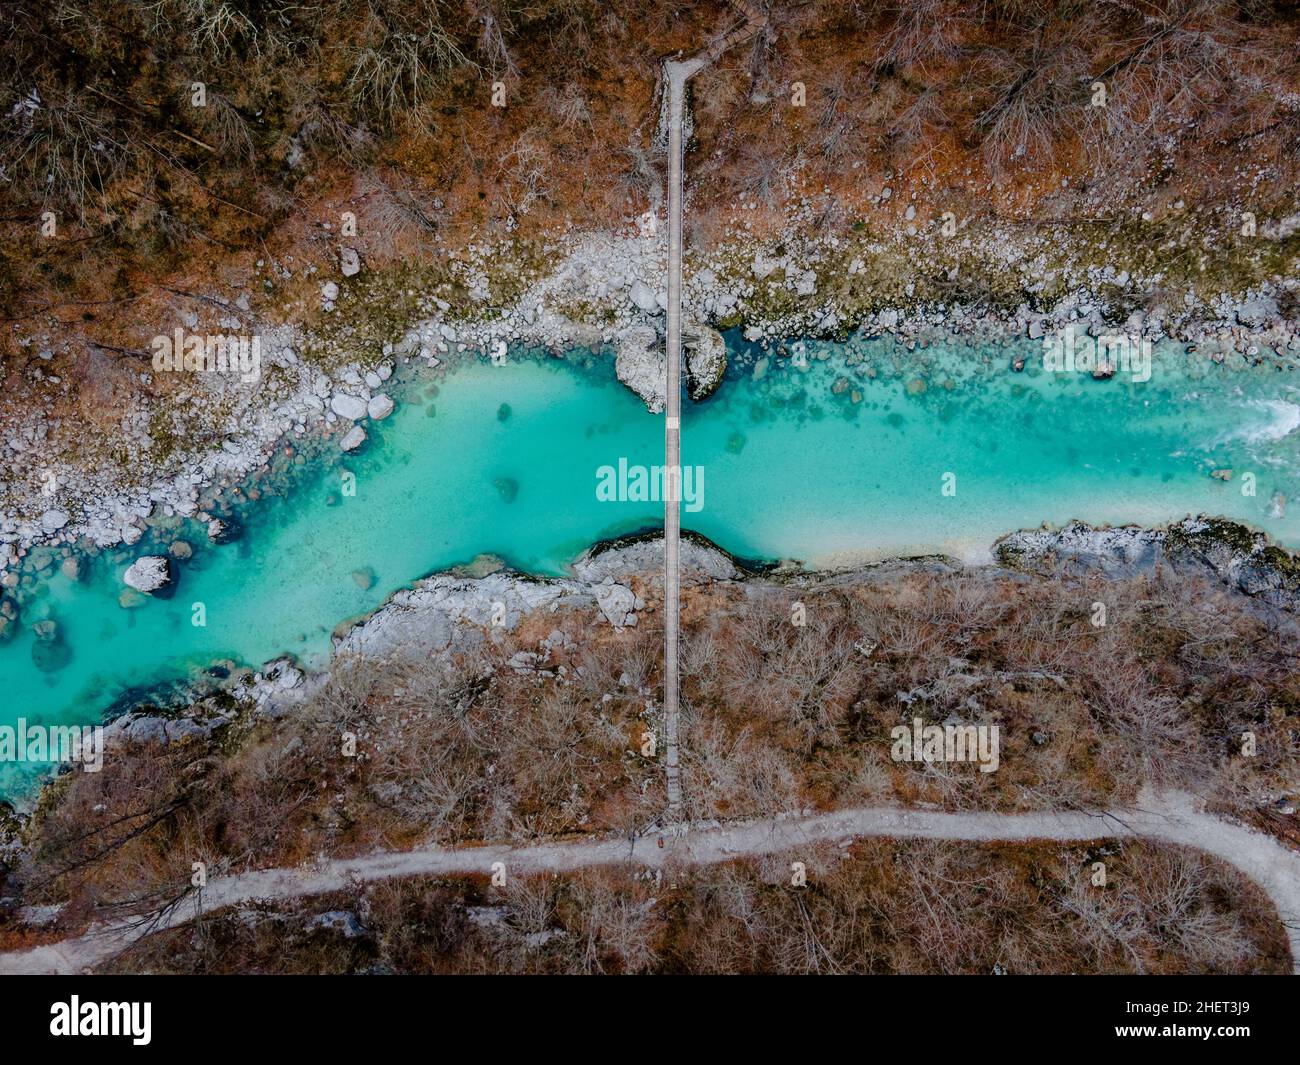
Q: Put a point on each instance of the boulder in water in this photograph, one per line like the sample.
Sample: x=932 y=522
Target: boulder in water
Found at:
x=47 y=630
x=706 y=360
x=353 y=438
x=346 y=406
x=151 y=574
x=8 y=619
x=50 y=656
x=640 y=364
x=223 y=530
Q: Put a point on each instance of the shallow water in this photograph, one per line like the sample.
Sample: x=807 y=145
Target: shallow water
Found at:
x=504 y=460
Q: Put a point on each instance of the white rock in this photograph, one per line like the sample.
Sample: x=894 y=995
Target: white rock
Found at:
x=640 y=364
x=353 y=439
x=346 y=406
x=329 y=291
x=379 y=407
x=148 y=573
x=617 y=603
x=53 y=520
x=644 y=297
x=706 y=359
x=349 y=262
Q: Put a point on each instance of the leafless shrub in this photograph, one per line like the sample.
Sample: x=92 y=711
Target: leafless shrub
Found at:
x=1035 y=90
x=233 y=134
x=59 y=146
x=218 y=27
x=395 y=213
x=922 y=31
x=399 y=58
x=492 y=47
x=523 y=174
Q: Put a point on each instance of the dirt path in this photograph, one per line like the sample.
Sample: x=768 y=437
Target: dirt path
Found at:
x=1172 y=817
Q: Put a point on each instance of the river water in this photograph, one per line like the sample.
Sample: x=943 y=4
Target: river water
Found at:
x=868 y=452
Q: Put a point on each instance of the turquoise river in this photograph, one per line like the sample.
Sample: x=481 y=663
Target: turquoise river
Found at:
x=846 y=459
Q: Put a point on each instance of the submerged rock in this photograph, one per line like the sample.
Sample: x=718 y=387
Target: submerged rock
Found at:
x=508 y=487
x=480 y=566
x=8 y=619
x=49 y=656
x=353 y=438
x=151 y=574
x=46 y=630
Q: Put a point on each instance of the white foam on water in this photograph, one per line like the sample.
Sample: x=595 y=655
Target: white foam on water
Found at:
x=1284 y=419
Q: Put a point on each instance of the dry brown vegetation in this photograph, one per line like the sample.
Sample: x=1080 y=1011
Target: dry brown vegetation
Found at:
x=387 y=107
x=781 y=715
x=776 y=717
x=875 y=907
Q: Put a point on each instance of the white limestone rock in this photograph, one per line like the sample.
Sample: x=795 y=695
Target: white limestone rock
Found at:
x=706 y=359
x=379 y=407
x=641 y=365
x=618 y=603
x=644 y=297
x=346 y=406
x=149 y=574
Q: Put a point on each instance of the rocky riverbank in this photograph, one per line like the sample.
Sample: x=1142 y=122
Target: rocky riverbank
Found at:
x=453 y=613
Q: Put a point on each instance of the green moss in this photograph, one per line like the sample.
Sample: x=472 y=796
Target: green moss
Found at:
x=1239 y=539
